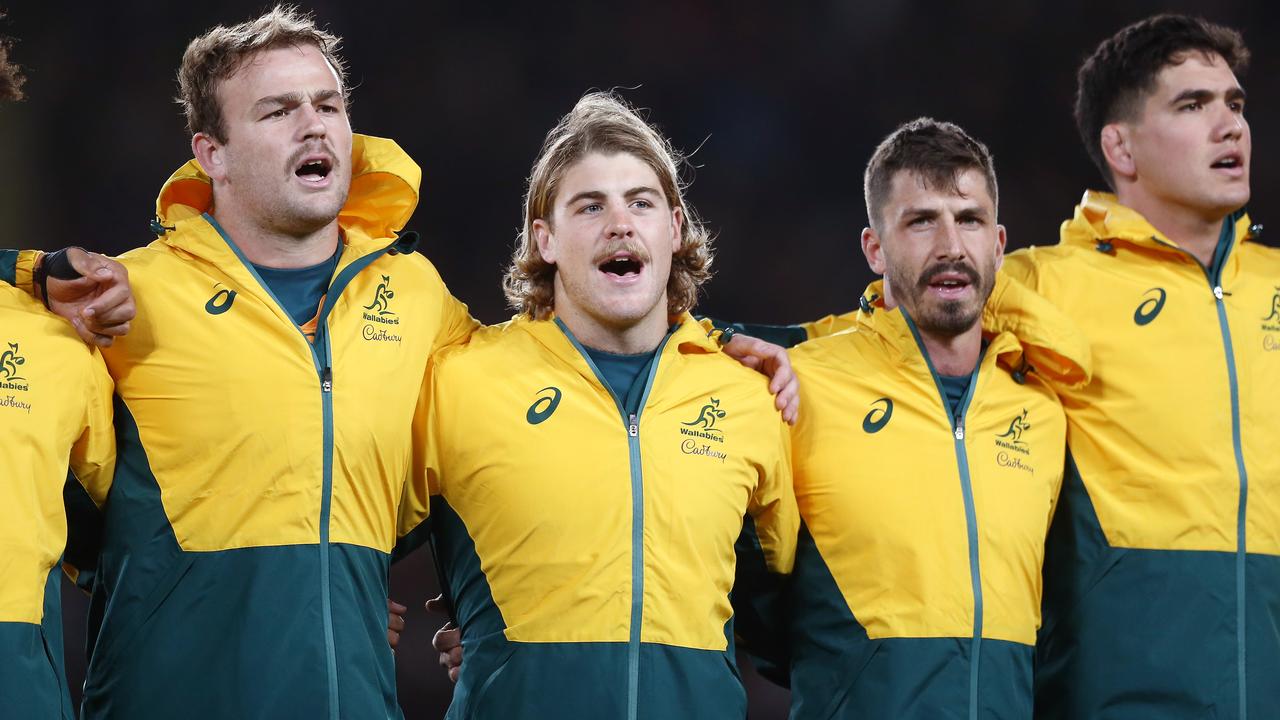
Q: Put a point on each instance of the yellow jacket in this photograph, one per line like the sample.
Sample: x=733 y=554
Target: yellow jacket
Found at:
x=55 y=410
x=917 y=584
x=1163 y=574
x=257 y=491
x=590 y=554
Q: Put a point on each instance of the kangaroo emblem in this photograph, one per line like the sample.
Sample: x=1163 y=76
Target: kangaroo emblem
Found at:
x=9 y=362
x=1016 y=426
x=707 y=418
x=382 y=297
x=1275 y=308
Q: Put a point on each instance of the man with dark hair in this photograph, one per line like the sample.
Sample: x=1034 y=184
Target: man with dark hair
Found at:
x=1162 y=574
x=925 y=509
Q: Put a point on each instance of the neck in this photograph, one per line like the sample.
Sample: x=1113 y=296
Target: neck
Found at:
x=274 y=249
x=953 y=354
x=642 y=337
x=1191 y=229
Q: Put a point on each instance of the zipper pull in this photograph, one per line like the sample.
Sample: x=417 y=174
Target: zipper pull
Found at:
x=632 y=428
x=959 y=432
x=1217 y=291
x=326 y=380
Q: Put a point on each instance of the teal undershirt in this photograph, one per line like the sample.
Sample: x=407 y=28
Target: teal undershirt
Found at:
x=300 y=289
x=625 y=375
x=955 y=386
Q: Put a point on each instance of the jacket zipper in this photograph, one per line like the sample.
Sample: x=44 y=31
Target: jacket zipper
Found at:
x=631 y=422
x=956 y=423
x=1214 y=278
x=322 y=357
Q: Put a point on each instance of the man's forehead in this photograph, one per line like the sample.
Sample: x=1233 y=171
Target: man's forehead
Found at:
x=1195 y=69
x=287 y=68
x=910 y=188
x=596 y=171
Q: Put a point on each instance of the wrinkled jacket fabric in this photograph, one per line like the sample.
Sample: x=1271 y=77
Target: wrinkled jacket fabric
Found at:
x=1162 y=580
x=589 y=553
x=55 y=410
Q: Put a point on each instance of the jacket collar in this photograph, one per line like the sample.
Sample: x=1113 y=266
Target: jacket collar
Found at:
x=688 y=338
x=383 y=195
x=1100 y=221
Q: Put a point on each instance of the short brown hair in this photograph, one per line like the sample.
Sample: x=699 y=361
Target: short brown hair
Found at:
x=1112 y=83
x=936 y=151
x=603 y=123
x=220 y=52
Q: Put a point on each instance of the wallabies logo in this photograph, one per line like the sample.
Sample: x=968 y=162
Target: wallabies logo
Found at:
x=706 y=420
x=1275 y=308
x=1016 y=426
x=10 y=360
x=382 y=297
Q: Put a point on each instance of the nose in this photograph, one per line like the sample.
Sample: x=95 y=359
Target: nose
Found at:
x=1229 y=124
x=947 y=245
x=619 y=223
x=310 y=123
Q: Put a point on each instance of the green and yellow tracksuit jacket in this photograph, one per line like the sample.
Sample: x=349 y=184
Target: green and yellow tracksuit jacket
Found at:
x=1162 y=580
x=589 y=552
x=249 y=527
x=55 y=411
x=916 y=591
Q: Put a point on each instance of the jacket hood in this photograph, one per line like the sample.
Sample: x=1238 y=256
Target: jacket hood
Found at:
x=1026 y=331
x=383 y=195
x=1100 y=220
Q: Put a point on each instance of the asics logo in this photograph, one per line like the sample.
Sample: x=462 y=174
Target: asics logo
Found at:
x=220 y=302
x=1148 y=309
x=878 y=417
x=546 y=404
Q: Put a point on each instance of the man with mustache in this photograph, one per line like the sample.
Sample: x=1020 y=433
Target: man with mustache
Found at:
x=928 y=457
x=1162 y=575
x=264 y=400
x=588 y=465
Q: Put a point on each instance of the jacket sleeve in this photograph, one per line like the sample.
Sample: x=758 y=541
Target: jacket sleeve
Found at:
x=765 y=556
x=93 y=461
x=412 y=526
x=787 y=335
x=17 y=268
x=456 y=323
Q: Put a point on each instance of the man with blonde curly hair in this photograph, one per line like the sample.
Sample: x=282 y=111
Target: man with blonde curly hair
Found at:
x=590 y=462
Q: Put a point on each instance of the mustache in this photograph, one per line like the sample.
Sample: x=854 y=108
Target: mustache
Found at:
x=321 y=148
x=961 y=268
x=634 y=249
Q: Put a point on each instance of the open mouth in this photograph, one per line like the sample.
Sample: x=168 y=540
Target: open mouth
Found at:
x=622 y=265
x=1232 y=161
x=949 y=283
x=314 y=169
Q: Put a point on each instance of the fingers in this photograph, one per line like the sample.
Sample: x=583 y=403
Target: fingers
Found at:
x=447 y=638
x=395 y=622
x=788 y=401
x=439 y=606
x=112 y=307
x=448 y=642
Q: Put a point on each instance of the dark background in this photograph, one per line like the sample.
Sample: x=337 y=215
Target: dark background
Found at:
x=783 y=105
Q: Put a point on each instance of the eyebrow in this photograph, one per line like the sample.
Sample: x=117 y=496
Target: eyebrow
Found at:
x=1204 y=96
x=295 y=98
x=598 y=195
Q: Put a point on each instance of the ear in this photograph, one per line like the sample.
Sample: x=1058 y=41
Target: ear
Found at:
x=208 y=152
x=545 y=239
x=1001 y=239
x=1117 y=146
x=677 y=225
x=874 y=251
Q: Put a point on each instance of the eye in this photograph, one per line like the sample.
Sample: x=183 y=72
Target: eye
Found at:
x=591 y=208
x=328 y=108
x=1237 y=106
x=642 y=204
x=276 y=114
x=1191 y=106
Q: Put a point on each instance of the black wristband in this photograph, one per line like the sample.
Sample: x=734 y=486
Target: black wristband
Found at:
x=56 y=265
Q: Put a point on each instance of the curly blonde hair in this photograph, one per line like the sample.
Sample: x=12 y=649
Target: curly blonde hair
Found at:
x=601 y=122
